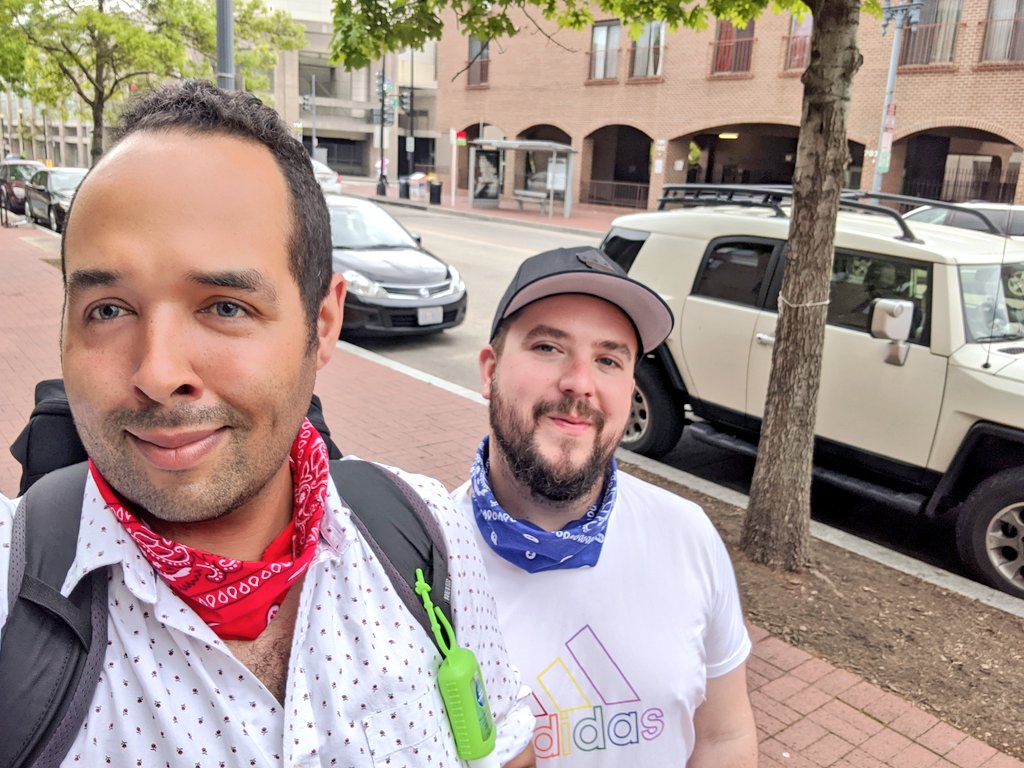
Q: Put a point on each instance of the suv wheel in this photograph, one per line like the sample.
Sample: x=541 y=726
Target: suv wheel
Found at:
x=655 y=418
x=990 y=531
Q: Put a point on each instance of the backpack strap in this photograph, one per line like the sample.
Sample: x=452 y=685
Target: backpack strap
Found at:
x=53 y=646
x=401 y=530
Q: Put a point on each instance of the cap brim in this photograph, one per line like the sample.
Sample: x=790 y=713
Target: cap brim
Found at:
x=646 y=309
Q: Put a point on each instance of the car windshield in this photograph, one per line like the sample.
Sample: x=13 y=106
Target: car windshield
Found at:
x=366 y=227
x=22 y=172
x=66 y=181
x=993 y=299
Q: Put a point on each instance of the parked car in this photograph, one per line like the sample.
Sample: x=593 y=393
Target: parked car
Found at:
x=329 y=181
x=13 y=175
x=1008 y=219
x=395 y=287
x=48 y=195
x=921 y=403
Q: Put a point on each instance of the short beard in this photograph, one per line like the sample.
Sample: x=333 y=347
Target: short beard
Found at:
x=237 y=483
x=560 y=483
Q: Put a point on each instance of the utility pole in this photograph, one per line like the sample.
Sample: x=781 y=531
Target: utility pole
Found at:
x=382 y=185
x=410 y=143
x=905 y=13
x=312 y=107
x=225 y=45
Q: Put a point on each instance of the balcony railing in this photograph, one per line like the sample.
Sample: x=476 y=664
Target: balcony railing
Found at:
x=798 y=52
x=604 y=64
x=479 y=71
x=731 y=56
x=928 y=44
x=623 y=194
x=1004 y=40
x=645 y=61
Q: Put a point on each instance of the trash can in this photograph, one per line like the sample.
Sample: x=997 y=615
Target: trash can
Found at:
x=403 y=187
x=435 y=193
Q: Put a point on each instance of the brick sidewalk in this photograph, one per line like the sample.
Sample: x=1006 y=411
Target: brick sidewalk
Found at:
x=809 y=713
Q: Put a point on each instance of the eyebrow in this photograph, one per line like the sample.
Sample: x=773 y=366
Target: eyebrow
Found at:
x=249 y=280
x=81 y=279
x=547 y=331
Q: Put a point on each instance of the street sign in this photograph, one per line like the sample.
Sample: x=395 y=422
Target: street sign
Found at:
x=410 y=144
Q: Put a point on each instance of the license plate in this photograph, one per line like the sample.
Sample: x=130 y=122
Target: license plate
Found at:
x=429 y=315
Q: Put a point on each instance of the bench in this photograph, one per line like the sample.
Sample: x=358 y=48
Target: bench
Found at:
x=529 y=196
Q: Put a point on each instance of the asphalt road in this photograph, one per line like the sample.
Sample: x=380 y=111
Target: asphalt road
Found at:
x=488 y=253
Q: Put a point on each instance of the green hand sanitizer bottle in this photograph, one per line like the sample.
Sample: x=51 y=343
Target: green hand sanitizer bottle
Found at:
x=462 y=689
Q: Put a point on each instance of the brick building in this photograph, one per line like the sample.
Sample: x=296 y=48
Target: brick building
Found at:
x=723 y=105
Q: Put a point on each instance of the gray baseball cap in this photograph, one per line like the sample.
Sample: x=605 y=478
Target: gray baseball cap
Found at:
x=585 y=270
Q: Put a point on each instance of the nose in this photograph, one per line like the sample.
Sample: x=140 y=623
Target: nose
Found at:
x=577 y=377
x=164 y=355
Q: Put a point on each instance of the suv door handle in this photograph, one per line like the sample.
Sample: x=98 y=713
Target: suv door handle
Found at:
x=765 y=338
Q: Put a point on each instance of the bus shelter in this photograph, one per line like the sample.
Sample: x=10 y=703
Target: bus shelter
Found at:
x=549 y=167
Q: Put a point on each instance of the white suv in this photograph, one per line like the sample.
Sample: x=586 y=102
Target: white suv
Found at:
x=928 y=418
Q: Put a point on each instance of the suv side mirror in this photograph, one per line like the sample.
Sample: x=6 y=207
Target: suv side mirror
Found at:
x=892 y=319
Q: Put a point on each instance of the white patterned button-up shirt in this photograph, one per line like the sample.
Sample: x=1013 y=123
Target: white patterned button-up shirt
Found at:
x=360 y=689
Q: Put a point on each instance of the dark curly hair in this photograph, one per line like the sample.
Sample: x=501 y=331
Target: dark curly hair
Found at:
x=199 y=107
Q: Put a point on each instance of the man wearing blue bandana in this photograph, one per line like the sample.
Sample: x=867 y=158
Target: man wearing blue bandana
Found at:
x=617 y=598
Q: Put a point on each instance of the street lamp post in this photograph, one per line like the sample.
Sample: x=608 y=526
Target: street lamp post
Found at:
x=382 y=184
x=225 y=45
x=904 y=13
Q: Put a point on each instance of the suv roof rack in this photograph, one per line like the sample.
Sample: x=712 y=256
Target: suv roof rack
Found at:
x=771 y=196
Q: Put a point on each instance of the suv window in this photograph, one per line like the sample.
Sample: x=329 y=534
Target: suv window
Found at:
x=735 y=272
x=622 y=245
x=860 y=278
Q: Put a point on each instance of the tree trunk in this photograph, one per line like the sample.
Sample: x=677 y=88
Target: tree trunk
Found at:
x=96 y=148
x=776 y=530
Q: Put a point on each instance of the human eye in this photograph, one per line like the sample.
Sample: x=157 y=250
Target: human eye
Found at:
x=609 y=362
x=106 y=312
x=545 y=347
x=227 y=309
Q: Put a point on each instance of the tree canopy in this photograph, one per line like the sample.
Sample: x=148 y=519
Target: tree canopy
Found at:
x=97 y=50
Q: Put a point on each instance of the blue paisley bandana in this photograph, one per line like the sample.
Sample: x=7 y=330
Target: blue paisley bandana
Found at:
x=531 y=548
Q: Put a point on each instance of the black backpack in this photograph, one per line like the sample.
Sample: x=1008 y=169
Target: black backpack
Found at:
x=53 y=647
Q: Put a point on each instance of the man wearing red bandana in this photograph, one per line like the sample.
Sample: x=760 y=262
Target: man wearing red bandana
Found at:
x=250 y=622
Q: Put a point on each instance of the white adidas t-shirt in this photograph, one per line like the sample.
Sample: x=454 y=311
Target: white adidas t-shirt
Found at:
x=618 y=655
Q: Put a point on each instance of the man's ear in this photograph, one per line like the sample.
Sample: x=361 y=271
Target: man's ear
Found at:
x=328 y=323
x=488 y=362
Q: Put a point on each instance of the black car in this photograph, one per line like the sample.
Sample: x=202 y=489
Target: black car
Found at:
x=14 y=174
x=48 y=195
x=395 y=287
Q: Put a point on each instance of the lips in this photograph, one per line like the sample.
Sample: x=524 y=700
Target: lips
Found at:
x=178 y=451
x=571 y=425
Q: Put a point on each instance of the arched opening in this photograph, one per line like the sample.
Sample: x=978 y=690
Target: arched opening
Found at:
x=955 y=164
x=616 y=167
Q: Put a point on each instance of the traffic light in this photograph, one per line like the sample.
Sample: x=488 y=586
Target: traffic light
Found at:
x=389 y=115
x=307 y=103
x=380 y=84
x=406 y=101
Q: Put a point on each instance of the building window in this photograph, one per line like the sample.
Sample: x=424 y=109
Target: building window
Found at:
x=798 y=44
x=479 y=59
x=646 y=51
x=733 y=48
x=604 y=50
x=1004 y=31
x=934 y=39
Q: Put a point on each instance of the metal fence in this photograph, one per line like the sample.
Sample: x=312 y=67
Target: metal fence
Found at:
x=731 y=56
x=622 y=194
x=966 y=185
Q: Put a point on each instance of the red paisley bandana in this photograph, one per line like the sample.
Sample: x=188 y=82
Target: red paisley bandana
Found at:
x=238 y=598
